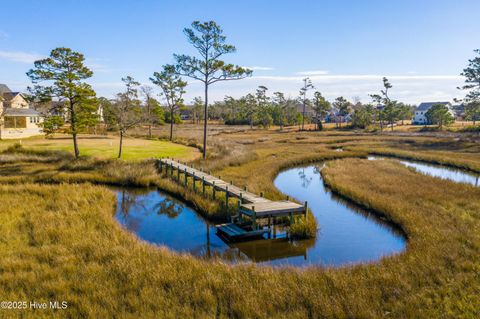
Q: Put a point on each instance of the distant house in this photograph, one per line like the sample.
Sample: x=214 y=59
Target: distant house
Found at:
x=17 y=119
x=420 y=117
x=186 y=113
x=309 y=112
x=334 y=116
x=459 y=110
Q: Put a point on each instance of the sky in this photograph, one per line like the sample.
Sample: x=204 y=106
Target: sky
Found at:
x=344 y=46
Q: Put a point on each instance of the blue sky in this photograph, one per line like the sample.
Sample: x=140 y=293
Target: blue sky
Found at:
x=344 y=46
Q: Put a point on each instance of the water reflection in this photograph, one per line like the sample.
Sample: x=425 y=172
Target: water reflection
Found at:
x=161 y=219
x=348 y=233
x=450 y=173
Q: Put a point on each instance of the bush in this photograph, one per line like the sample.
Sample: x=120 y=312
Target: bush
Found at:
x=471 y=128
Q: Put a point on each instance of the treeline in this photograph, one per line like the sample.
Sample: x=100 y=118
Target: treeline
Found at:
x=257 y=109
x=265 y=110
x=60 y=88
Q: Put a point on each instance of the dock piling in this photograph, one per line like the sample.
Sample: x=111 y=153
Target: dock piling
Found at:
x=226 y=197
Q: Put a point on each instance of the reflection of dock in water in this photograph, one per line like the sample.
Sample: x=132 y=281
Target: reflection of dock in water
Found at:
x=272 y=249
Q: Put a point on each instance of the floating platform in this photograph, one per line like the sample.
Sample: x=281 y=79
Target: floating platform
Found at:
x=234 y=232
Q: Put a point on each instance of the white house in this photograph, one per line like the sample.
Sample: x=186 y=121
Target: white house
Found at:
x=17 y=119
x=419 y=116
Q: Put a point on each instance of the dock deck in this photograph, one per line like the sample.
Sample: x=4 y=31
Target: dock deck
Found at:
x=250 y=204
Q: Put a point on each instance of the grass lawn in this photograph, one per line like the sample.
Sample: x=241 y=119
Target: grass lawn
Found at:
x=107 y=147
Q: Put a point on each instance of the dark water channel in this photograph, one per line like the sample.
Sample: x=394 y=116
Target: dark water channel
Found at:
x=347 y=233
x=444 y=172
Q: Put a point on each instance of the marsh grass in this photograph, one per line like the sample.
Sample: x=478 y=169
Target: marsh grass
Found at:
x=60 y=241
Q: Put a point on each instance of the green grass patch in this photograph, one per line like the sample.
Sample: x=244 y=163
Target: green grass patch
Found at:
x=107 y=147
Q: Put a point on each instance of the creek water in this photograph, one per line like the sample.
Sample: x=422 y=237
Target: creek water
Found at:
x=347 y=233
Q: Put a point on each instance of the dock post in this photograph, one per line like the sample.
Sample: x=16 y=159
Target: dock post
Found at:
x=245 y=188
x=239 y=211
x=226 y=197
x=274 y=228
x=193 y=177
x=160 y=166
x=269 y=227
x=203 y=185
x=186 y=176
x=241 y=198
x=261 y=194
x=178 y=173
x=213 y=189
x=306 y=209
x=288 y=198
x=254 y=218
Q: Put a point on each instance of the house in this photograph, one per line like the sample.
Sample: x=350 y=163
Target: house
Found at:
x=17 y=119
x=334 y=117
x=186 y=113
x=419 y=116
x=309 y=112
x=459 y=111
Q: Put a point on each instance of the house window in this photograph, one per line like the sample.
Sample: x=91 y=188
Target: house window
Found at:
x=9 y=122
x=31 y=119
x=15 y=122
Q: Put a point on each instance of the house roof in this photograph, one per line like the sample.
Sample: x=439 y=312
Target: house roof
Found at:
x=11 y=111
x=10 y=95
x=299 y=107
x=4 y=88
x=425 y=106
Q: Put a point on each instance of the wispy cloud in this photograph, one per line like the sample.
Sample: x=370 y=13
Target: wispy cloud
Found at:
x=343 y=77
x=97 y=65
x=260 y=68
x=313 y=72
x=21 y=57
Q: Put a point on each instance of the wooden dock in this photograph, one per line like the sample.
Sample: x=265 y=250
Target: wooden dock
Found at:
x=251 y=205
x=235 y=232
